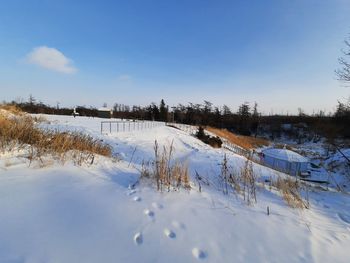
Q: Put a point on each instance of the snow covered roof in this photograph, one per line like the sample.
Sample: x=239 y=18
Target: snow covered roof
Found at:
x=104 y=109
x=284 y=154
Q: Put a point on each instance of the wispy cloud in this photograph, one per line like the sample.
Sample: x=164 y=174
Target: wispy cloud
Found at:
x=52 y=59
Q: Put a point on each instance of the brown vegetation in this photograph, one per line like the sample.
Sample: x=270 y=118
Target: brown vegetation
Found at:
x=290 y=190
x=246 y=142
x=20 y=132
x=242 y=182
x=214 y=142
x=11 y=109
x=248 y=178
x=167 y=173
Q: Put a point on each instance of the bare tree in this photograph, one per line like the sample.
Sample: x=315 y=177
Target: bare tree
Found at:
x=32 y=100
x=343 y=72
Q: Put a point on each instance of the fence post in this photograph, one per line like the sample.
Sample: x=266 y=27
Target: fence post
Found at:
x=110 y=127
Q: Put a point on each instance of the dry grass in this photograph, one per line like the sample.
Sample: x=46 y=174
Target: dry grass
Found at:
x=241 y=182
x=290 y=190
x=167 y=173
x=246 y=142
x=244 y=182
x=20 y=132
x=248 y=179
x=12 y=109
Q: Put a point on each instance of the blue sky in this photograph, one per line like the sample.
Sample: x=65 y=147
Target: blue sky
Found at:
x=280 y=53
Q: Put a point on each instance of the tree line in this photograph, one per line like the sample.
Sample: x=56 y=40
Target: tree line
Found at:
x=245 y=120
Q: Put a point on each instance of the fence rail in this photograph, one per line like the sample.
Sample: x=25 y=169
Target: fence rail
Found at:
x=108 y=127
x=234 y=148
x=128 y=126
x=191 y=129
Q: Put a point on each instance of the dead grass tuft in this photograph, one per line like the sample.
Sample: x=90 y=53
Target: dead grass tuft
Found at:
x=167 y=173
x=248 y=179
x=290 y=190
x=20 y=132
x=241 y=182
x=12 y=109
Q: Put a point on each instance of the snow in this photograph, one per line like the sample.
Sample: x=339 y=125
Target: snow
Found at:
x=332 y=166
x=105 y=109
x=67 y=213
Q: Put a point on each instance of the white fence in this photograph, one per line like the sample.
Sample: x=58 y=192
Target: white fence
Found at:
x=234 y=148
x=136 y=125
x=128 y=126
x=190 y=129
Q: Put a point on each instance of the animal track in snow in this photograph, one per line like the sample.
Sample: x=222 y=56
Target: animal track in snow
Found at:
x=178 y=224
x=138 y=239
x=131 y=192
x=137 y=199
x=157 y=206
x=148 y=212
x=198 y=253
x=169 y=233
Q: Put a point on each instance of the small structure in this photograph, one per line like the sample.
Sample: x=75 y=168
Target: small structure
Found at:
x=285 y=161
x=105 y=112
x=75 y=113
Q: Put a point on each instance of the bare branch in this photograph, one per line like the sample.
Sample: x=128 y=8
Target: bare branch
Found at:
x=343 y=72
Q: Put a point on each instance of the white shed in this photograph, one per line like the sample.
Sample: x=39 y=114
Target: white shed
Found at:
x=105 y=112
x=285 y=161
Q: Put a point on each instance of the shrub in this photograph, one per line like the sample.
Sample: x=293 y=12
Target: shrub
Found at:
x=215 y=142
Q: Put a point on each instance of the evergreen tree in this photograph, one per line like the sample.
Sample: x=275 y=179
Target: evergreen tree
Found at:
x=255 y=120
x=163 y=111
x=244 y=116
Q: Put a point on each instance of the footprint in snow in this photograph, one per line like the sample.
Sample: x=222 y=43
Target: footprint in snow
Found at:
x=157 y=206
x=138 y=239
x=137 y=199
x=148 y=212
x=178 y=225
x=198 y=253
x=131 y=192
x=169 y=233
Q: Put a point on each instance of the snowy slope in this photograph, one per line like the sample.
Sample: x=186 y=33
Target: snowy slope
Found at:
x=89 y=214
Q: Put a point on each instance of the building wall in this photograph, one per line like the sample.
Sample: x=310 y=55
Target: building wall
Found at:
x=292 y=168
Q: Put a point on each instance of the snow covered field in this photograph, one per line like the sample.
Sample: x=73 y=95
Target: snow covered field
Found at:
x=87 y=214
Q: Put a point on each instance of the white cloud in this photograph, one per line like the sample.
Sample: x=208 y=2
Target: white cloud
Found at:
x=52 y=59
